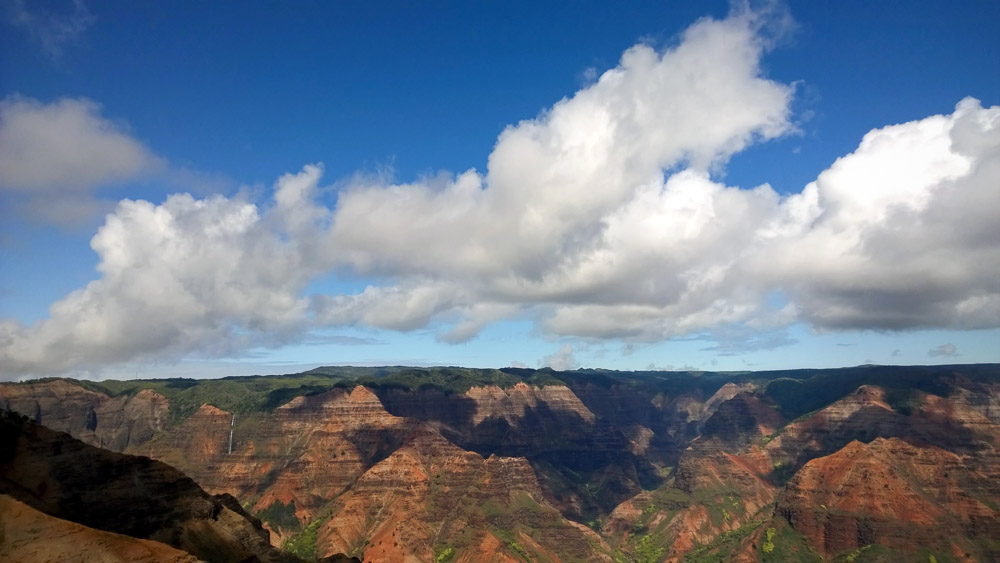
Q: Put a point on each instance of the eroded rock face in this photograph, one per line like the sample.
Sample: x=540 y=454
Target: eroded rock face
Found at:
x=715 y=492
x=463 y=497
x=305 y=453
x=511 y=405
x=513 y=421
x=94 y=418
x=660 y=425
x=950 y=423
x=891 y=493
x=740 y=421
x=495 y=473
x=135 y=496
x=550 y=426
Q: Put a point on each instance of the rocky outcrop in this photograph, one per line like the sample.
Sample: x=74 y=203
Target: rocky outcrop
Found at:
x=518 y=420
x=99 y=420
x=891 y=493
x=660 y=424
x=950 y=423
x=512 y=404
x=739 y=421
x=304 y=454
x=664 y=465
x=466 y=499
x=550 y=426
x=134 y=496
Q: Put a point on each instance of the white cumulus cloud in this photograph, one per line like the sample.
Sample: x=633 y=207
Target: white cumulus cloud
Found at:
x=598 y=219
x=213 y=276
x=66 y=146
x=901 y=233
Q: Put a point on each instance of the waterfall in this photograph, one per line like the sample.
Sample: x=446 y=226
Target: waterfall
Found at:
x=231 y=426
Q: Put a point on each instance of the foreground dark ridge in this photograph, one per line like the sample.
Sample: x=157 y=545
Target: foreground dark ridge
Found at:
x=128 y=495
x=892 y=462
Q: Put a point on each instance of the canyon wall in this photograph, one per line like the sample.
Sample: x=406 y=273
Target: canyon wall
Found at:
x=579 y=466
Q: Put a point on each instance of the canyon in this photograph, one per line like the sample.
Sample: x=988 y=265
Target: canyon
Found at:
x=875 y=463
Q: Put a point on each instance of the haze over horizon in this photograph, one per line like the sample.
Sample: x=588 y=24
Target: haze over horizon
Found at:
x=191 y=191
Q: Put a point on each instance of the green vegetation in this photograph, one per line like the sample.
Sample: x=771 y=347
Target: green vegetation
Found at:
x=445 y=555
x=794 y=392
x=875 y=553
x=507 y=537
x=280 y=515
x=646 y=551
x=519 y=550
x=715 y=503
x=492 y=509
x=857 y=552
x=782 y=543
x=926 y=555
x=723 y=545
x=797 y=392
x=768 y=545
x=248 y=394
x=240 y=395
x=782 y=472
x=304 y=544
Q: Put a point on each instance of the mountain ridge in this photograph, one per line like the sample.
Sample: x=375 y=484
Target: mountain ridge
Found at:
x=635 y=465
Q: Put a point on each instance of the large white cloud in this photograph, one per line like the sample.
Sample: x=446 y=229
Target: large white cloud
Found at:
x=55 y=157
x=573 y=217
x=552 y=180
x=213 y=275
x=597 y=219
x=65 y=145
x=902 y=233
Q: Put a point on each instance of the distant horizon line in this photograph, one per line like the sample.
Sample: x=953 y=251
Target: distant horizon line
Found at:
x=510 y=368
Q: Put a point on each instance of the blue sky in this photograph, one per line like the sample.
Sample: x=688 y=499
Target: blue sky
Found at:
x=496 y=185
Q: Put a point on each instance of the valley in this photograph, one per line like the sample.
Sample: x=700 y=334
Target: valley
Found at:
x=874 y=463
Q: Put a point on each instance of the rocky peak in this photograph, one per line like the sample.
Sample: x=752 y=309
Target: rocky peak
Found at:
x=740 y=421
x=892 y=492
x=511 y=404
x=725 y=393
x=339 y=407
x=95 y=418
x=134 y=496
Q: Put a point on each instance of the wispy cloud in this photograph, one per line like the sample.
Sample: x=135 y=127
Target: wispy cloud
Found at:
x=561 y=360
x=736 y=340
x=315 y=339
x=945 y=350
x=53 y=30
x=66 y=145
x=57 y=157
x=54 y=158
